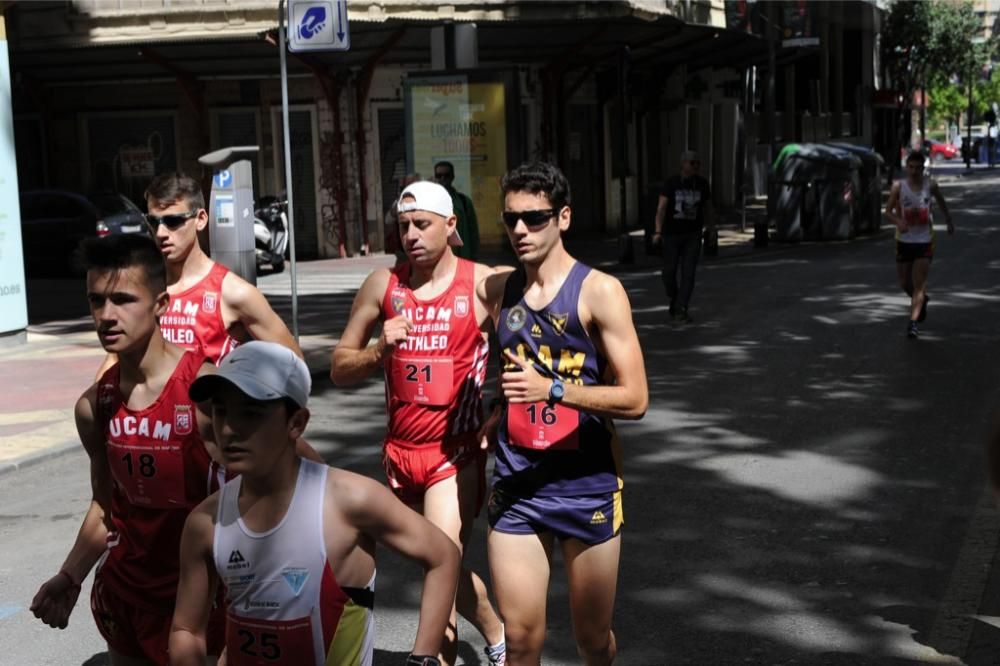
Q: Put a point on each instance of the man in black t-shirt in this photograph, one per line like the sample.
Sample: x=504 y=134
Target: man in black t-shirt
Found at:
x=683 y=210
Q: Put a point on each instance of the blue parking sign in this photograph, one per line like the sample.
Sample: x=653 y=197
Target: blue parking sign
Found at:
x=222 y=179
x=318 y=25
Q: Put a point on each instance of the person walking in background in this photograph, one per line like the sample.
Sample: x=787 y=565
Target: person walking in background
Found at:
x=468 y=224
x=909 y=209
x=683 y=210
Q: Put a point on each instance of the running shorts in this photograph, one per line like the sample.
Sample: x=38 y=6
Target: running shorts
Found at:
x=592 y=519
x=413 y=468
x=910 y=252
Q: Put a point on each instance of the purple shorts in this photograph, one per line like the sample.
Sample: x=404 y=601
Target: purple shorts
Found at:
x=592 y=519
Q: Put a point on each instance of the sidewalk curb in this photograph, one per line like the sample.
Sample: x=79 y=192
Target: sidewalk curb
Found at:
x=35 y=457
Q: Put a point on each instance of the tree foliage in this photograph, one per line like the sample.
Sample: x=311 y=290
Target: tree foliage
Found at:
x=930 y=43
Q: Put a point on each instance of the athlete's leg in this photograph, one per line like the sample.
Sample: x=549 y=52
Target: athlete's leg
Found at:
x=519 y=567
x=921 y=269
x=451 y=505
x=593 y=581
x=904 y=273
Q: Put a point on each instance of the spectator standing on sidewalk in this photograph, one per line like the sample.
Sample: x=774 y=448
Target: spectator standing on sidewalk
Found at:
x=683 y=210
x=468 y=225
x=909 y=209
x=211 y=308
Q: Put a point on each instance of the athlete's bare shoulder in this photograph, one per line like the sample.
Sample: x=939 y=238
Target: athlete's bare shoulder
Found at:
x=601 y=296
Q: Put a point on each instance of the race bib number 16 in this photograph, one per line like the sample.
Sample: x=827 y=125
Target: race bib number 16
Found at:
x=543 y=426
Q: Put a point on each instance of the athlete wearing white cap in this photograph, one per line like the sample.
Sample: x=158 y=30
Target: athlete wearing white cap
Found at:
x=433 y=350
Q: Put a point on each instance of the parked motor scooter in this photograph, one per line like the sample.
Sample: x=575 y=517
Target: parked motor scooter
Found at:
x=270 y=230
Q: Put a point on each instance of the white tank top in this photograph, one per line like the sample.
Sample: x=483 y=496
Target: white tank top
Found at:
x=285 y=606
x=916 y=208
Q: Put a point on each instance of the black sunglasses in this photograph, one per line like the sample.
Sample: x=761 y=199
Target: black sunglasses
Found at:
x=532 y=218
x=171 y=222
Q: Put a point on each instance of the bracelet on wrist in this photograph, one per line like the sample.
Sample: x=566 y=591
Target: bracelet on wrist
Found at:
x=72 y=583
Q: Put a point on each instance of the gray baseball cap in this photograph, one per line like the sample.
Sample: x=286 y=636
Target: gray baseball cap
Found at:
x=262 y=370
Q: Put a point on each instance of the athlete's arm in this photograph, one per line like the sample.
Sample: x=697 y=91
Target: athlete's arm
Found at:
x=936 y=191
x=490 y=282
x=195 y=588
x=373 y=510
x=245 y=304
x=489 y=300
x=56 y=598
x=892 y=211
x=606 y=313
x=353 y=359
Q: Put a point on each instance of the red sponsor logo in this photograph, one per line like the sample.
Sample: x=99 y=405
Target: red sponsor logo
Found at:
x=461 y=306
x=209 y=301
x=183 y=419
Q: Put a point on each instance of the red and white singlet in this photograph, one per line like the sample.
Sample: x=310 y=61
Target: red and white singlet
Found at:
x=194 y=318
x=434 y=379
x=161 y=471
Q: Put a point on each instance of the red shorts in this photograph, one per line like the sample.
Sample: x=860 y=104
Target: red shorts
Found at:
x=143 y=634
x=413 y=468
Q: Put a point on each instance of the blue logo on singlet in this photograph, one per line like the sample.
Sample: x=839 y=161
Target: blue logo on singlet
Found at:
x=296 y=578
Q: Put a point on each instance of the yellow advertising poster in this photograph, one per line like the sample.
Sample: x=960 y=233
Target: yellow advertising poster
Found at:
x=463 y=123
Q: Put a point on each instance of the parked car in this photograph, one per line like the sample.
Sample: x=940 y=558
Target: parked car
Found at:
x=54 y=222
x=939 y=150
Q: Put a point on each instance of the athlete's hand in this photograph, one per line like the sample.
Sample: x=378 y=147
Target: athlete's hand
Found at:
x=394 y=331
x=524 y=384
x=55 y=600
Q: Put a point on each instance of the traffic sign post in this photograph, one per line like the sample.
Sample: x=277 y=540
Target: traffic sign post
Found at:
x=315 y=25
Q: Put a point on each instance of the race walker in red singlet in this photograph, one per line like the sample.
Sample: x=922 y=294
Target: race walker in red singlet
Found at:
x=434 y=382
x=161 y=471
x=194 y=319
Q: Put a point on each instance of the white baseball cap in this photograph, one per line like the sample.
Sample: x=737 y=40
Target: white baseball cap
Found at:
x=262 y=370
x=432 y=198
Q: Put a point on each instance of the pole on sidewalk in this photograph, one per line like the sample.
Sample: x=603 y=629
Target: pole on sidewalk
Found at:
x=288 y=169
x=626 y=253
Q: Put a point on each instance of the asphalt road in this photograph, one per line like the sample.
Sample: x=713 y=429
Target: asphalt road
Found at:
x=806 y=488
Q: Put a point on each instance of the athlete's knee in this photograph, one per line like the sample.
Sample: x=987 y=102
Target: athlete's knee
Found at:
x=523 y=640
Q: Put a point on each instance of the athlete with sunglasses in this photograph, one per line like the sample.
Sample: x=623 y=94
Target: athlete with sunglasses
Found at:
x=211 y=308
x=433 y=350
x=572 y=362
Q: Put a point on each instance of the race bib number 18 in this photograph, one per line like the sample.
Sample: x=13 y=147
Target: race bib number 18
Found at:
x=543 y=426
x=151 y=477
x=425 y=381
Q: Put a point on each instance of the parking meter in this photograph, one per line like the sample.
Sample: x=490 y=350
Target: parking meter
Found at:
x=230 y=210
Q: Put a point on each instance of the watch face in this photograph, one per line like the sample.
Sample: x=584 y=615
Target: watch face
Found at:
x=558 y=389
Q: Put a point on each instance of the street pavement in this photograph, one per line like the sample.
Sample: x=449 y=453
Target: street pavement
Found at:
x=806 y=488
